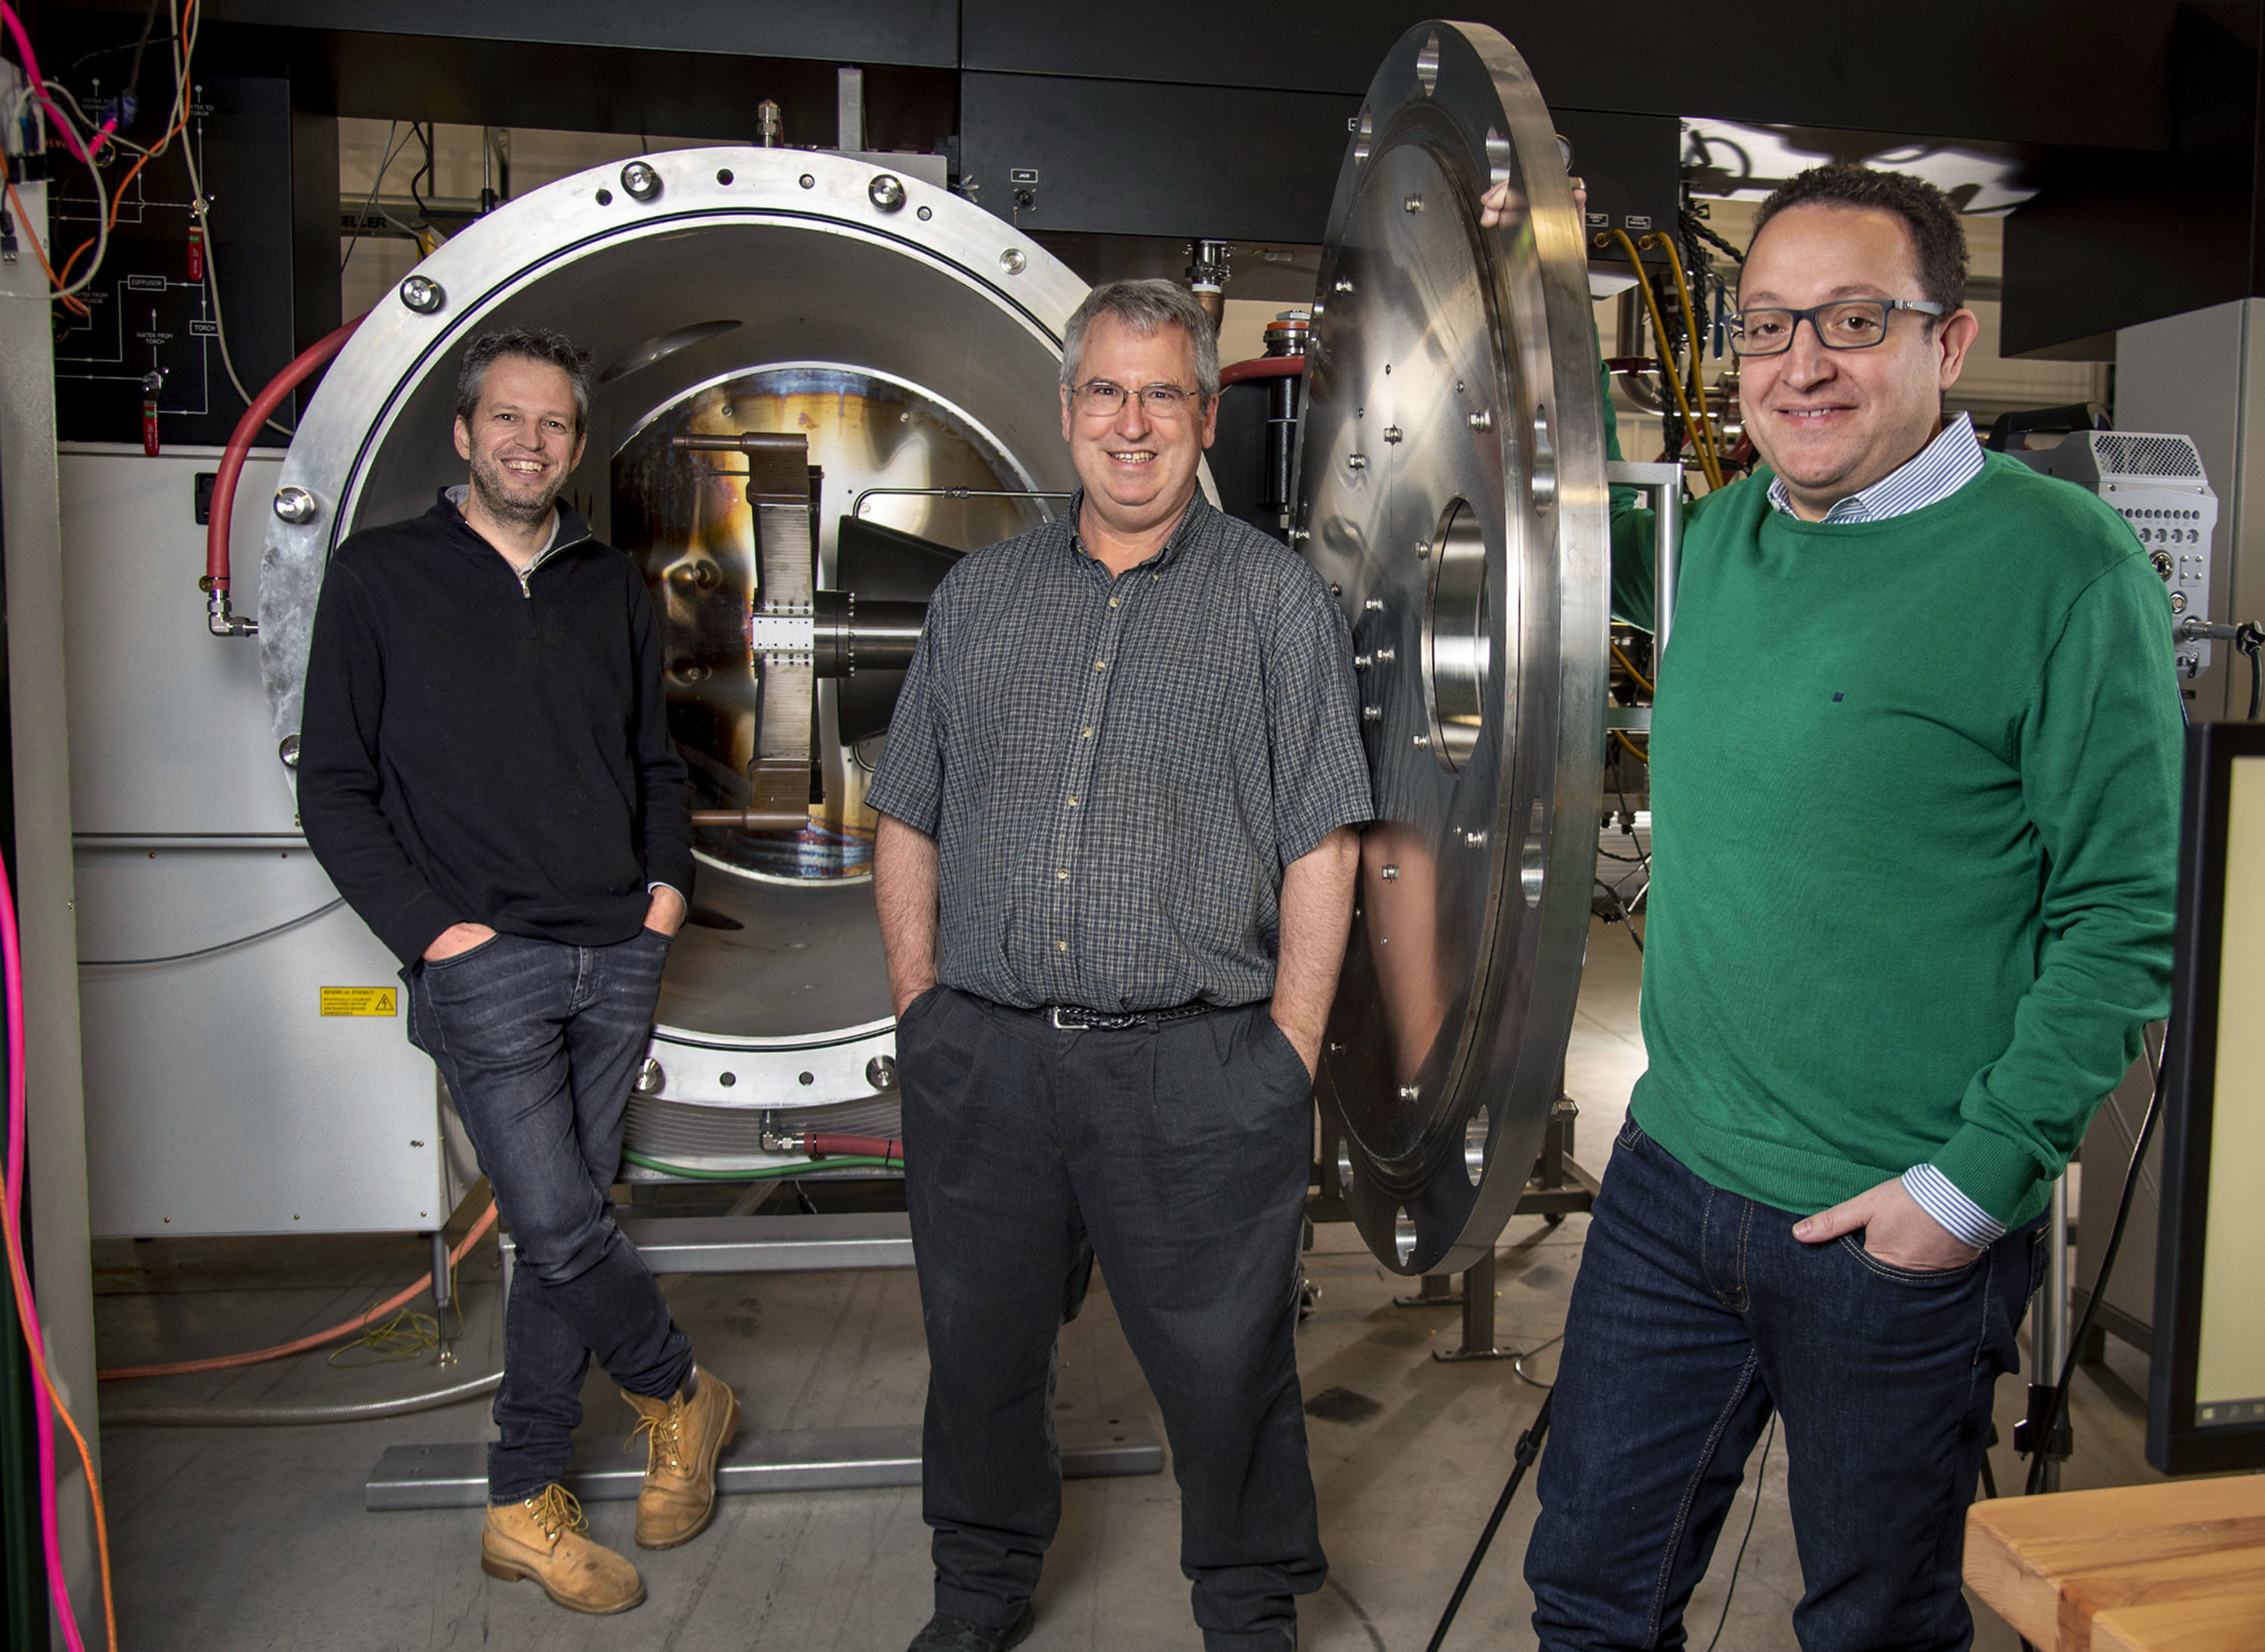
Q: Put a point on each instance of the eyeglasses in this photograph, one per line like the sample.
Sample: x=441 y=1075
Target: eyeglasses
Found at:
x=1845 y=324
x=1097 y=397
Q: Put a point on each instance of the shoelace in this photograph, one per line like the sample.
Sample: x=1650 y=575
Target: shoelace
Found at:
x=650 y=1426
x=558 y=1511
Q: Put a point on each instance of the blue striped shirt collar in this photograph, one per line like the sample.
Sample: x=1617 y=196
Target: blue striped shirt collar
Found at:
x=1945 y=465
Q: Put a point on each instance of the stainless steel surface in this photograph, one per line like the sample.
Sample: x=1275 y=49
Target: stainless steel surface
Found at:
x=1665 y=483
x=455 y=1475
x=1450 y=486
x=769 y=1244
x=911 y=337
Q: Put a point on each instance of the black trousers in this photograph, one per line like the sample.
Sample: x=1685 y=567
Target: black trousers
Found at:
x=1178 y=1154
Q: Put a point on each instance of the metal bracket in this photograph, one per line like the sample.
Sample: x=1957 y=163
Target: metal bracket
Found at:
x=1665 y=483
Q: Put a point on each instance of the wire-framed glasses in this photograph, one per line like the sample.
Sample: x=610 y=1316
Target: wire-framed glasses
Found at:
x=1097 y=397
x=1845 y=324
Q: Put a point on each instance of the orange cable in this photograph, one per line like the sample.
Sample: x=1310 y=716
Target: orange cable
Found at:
x=40 y=253
x=258 y=1356
x=23 y=1285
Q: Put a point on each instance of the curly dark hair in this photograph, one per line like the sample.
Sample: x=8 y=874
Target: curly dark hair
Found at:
x=531 y=344
x=1938 y=239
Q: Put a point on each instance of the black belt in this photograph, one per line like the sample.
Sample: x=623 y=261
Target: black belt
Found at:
x=1070 y=1018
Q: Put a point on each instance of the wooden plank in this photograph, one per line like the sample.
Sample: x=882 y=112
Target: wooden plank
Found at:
x=2220 y=1623
x=2050 y=1565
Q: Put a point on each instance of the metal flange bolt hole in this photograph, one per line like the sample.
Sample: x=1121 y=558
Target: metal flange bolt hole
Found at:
x=423 y=294
x=641 y=180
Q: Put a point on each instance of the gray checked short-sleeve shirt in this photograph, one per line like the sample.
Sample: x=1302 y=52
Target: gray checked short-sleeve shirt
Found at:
x=1117 y=770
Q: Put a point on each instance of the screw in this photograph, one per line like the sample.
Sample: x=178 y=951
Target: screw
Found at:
x=886 y=191
x=1410 y=1092
x=1391 y=873
x=294 y=506
x=1483 y=421
x=422 y=294
x=881 y=1073
x=1374 y=604
x=1344 y=285
x=1392 y=433
x=288 y=751
x=1013 y=262
x=641 y=180
x=1423 y=742
x=1360 y=662
x=1384 y=656
x=1413 y=203
x=1422 y=548
x=1356 y=461
x=1371 y=714
x=1475 y=840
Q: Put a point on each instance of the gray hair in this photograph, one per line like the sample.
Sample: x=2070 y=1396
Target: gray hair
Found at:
x=528 y=344
x=1144 y=307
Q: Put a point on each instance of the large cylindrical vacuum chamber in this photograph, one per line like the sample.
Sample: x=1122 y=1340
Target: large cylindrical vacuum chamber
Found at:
x=912 y=341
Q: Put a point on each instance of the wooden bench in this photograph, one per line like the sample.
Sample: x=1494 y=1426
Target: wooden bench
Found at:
x=2177 y=1566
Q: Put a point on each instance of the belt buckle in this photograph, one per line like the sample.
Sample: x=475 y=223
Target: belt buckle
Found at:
x=1056 y=1012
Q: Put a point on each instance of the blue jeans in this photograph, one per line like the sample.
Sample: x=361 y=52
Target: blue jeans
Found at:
x=1696 y=1314
x=539 y=1043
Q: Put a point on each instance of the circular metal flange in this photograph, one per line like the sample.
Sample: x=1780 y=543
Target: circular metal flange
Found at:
x=1451 y=488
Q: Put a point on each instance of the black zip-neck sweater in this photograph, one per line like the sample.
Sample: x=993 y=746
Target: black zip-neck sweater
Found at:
x=481 y=745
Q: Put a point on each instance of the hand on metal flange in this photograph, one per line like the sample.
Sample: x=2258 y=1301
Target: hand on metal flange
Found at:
x=1494 y=206
x=1897 y=1230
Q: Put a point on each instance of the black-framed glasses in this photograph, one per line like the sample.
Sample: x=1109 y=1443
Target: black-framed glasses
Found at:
x=1097 y=397
x=1845 y=324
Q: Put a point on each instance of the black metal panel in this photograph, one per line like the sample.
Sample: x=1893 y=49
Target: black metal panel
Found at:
x=919 y=32
x=1126 y=157
x=1632 y=164
x=2077 y=71
x=2115 y=237
x=147 y=311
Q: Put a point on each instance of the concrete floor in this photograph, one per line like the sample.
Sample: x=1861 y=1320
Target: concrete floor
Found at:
x=251 y=1538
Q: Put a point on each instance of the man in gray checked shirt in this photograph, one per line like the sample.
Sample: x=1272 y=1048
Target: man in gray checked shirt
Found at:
x=1116 y=875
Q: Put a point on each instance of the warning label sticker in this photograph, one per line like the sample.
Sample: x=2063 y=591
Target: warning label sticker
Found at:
x=360 y=1000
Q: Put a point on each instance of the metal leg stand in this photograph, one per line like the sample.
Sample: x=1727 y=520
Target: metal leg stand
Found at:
x=2051 y=1345
x=444 y=1295
x=1478 y=1319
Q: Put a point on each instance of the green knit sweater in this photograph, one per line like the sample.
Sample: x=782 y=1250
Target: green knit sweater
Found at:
x=1914 y=790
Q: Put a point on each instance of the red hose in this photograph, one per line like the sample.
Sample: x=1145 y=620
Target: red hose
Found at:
x=217 y=557
x=1263 y=368
x=857 y=1147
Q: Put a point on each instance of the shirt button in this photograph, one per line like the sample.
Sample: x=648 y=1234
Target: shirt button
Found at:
x=1063 y=873
x=1087 y=735
x=1073 y=802
x=1112 y=602
x=1061 y=946
x=1101 y=664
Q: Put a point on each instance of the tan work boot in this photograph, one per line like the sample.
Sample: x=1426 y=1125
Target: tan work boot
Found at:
x=685 y=1437
x=545 y=1540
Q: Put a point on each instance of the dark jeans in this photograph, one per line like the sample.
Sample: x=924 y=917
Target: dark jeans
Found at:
x=1696 y=1314
x=1178 y=1154
x=539 y=1043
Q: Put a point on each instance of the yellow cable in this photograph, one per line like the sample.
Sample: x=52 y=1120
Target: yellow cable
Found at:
x=1640 y=681
x=1666 y=358
x=1635 y=751
x=1693 y=326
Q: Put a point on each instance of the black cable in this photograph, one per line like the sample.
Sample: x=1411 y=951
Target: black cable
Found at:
x=1529 y=1447
x=224 y=946
x=1731 y=1593
x=385 y=159
x=1620 y=912
x=424 y=134
x=2256 y=681
x=1698 y=227
x=2044 y=1438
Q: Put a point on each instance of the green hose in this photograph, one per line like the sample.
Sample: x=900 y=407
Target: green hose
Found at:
x=766 y=1173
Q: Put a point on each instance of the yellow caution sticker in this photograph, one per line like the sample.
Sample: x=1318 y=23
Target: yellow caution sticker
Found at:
x=361 y=1001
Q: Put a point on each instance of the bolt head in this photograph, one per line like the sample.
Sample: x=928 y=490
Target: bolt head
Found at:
x=294 y=506
x=1483 y=421
x=641 y=180
x=650 y=1078
x=881 y=1073
x=1013 y=262
x=886 y=191
x=288 y=751
x=422 y=294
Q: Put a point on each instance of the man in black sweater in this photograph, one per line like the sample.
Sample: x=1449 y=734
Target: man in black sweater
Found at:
x=486 y=774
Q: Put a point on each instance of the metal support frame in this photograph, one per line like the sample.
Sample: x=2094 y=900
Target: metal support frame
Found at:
x=454 y=1475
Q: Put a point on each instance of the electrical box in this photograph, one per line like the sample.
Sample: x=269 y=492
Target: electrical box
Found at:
x=2156 y=483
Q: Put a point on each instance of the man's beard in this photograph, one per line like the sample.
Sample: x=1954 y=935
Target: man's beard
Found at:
x=489 y=481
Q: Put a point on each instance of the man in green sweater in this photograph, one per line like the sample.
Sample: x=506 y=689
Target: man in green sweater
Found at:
x=1915 y=788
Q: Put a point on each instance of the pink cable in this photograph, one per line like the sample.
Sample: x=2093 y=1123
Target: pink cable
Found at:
x=11 y=975
x=40 y=88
